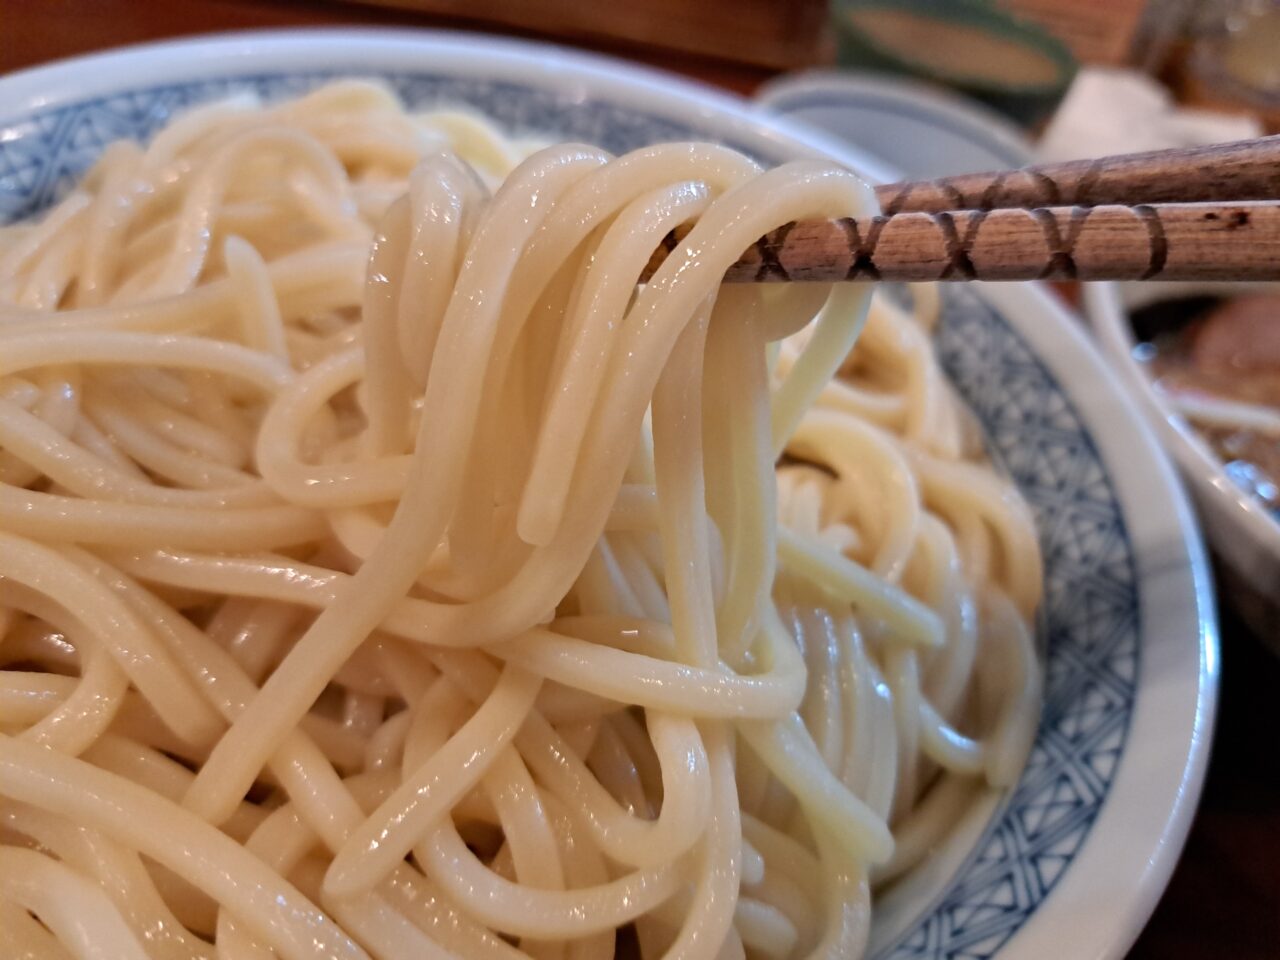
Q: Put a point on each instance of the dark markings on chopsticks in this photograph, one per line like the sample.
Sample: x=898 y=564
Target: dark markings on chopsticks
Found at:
x=1079 y=216
x=1088 y=182
x=991 y=195
x=971 y=237
x=1053 y=196
x=852 y=241
x=1061 y=261
x=957 y=249
x=1155 y=236
x=867 y=251
x=771 y=267
x=943 y=193
x=896 y=202
x=954 y=195
x=863 y=266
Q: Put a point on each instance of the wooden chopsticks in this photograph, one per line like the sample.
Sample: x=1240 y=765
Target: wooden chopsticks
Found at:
x=1170 y=241
x=1205 y=213
x=1245 y=170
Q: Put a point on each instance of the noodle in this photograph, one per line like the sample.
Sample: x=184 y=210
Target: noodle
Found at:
x=384 y=574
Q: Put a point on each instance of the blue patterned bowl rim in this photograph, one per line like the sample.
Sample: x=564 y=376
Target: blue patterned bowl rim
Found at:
x=1072 y=860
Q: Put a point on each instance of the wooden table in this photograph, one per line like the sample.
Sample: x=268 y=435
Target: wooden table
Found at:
x=1224 y=899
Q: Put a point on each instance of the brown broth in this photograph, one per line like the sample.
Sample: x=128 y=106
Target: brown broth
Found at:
x=1251 y=458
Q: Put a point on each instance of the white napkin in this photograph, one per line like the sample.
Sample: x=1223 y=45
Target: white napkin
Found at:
x=1110 y=110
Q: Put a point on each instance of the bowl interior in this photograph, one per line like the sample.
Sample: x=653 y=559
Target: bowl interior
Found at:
x=978 y=895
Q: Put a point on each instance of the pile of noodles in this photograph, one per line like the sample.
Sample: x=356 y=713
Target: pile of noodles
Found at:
x=383 y=573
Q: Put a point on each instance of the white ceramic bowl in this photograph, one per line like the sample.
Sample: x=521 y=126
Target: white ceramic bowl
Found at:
x=1069 y=862
x=918 y=129
x=1241 y=530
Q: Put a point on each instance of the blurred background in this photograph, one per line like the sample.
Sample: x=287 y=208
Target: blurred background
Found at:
x=933 y=87
x=1021 y=79
x=1218 y=54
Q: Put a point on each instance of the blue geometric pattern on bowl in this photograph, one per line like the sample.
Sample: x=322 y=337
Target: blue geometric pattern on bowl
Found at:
x=1089 y=620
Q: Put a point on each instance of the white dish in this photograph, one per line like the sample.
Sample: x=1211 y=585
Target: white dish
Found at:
x=1242 y=531
x=913 y=127
x=1079 y=851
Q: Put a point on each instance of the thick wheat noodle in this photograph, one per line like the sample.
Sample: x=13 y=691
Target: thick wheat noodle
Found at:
x=384 y=574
